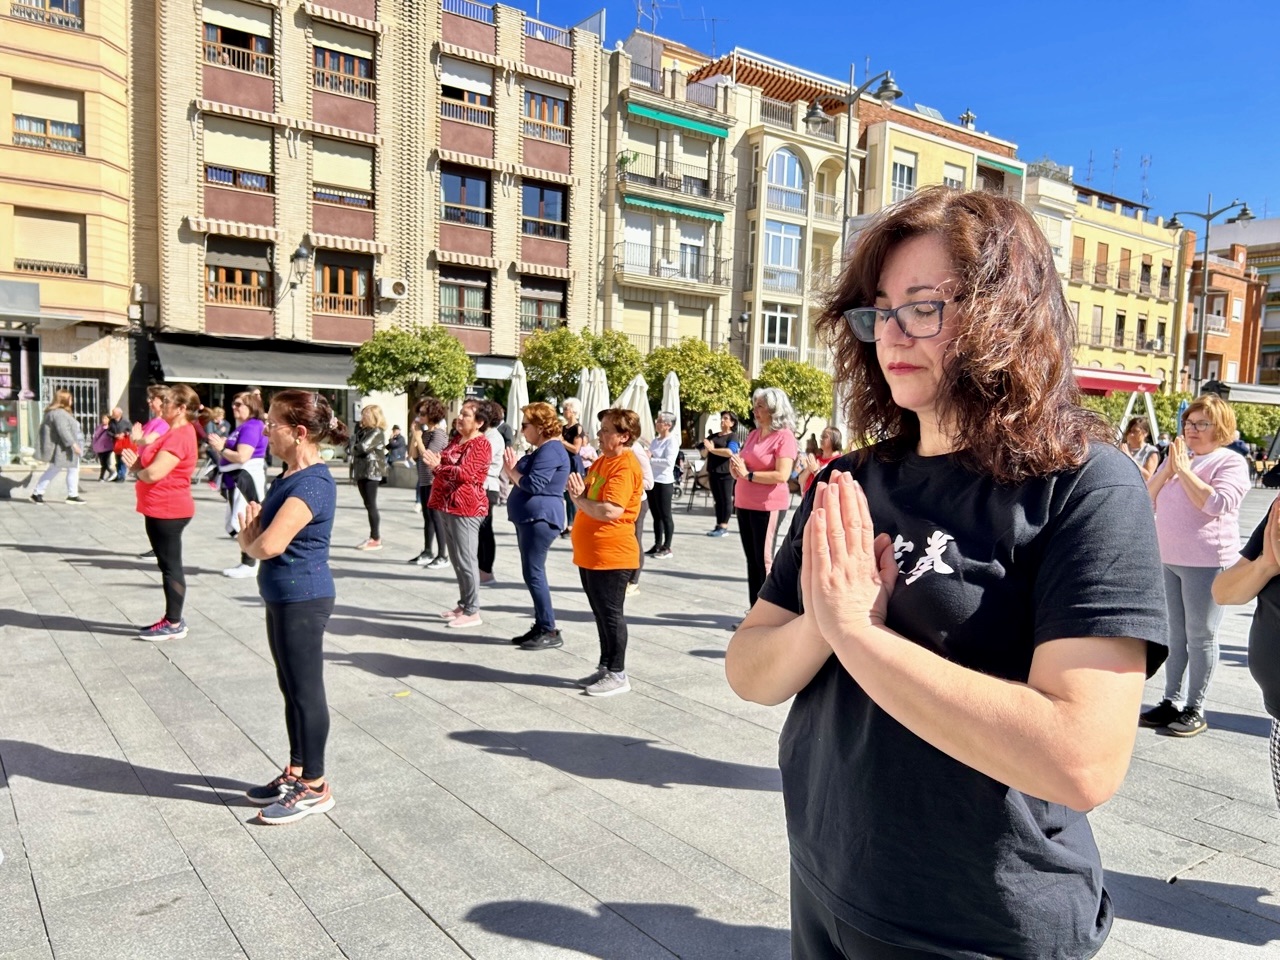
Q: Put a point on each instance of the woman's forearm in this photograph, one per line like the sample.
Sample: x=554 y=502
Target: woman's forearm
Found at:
x=1242 y=582
x=769 y=663
x=601 y=510
x=1197 y=491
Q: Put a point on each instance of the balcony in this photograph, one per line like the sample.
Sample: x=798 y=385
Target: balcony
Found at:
x=50 y=268
x=820 y=358
x=237 y=295
x=468 y=216
x=467 y=230
x=469 y=24
x=644 y=76
x=703 y=94
x=36 y=133
x=344 y=100
x=682 y=178
x=774 y=351
x=778 y=113
x=637 y=259
x=238 y=58
x=342 y=212
x=466 y=113
x=239 y=195
x=791 y=200
x=542 y=130
x=465 y=316
x=343 y=304
x=787 y=280
x=826 y=206
x=53 y=13
x=548 y=47
x=1217 y=323
x=1140 y=342
x=466 y=128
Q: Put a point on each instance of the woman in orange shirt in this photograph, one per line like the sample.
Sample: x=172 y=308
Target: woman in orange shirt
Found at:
x=605 y=548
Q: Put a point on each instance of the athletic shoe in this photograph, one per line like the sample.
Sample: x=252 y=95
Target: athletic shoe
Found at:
x=37 y=498
x=465 y=620
x=566 y=534
x=370 y=544
x=299 y=801
x=79 y=501
x=718 y=532
x=527 y=635
x=450 y=614
x=653 y=551
x=147 y=555
x=543 y=640
x=164 y=630
x=421 y=559
x=663 y=554
x=601 y=672
x=487 y=579
x=1189 y=723
x=417 y=508
x=611 y=684
x=633 y=589
x=437 y=562
x=1160 y=715
x=269 y=793
x=241 y=571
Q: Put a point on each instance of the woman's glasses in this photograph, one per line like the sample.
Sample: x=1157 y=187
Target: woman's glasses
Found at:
x=1197 y=426
x=917 y=320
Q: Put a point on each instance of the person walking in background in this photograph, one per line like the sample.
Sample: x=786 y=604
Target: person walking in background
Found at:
x=829 y=445
x=242 y=466
x=428 y=436
x=164 y=468
x=1137 y=444
x=662 y=460
x=103 y=444
x=573 y=438
x=458 y=493
x=289 y=536
x=605 y=548
x=488 y=547
x=761 y=472
x=61 y=445
x=1197 y=494
x=369 y=466
x=718 y=448
x=536 y=508
x=121 y=435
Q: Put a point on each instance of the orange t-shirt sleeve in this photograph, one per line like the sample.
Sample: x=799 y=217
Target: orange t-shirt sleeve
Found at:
x=621 y=483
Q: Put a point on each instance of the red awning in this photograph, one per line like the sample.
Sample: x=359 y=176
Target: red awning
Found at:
x=1094 y=380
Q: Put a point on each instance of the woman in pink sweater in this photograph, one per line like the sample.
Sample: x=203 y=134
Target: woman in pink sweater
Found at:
x=1197 y=494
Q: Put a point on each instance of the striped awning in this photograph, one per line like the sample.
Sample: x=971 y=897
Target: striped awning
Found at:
x=233 y=228
x=1000 y=165
x=340 y=133
x=351 y=244
x=1097 y=380
x=487 y=163
x=775 y=79
x=468 y=260
x=537 y=173
x=559 y=79
x=675 y=120
x=676 y=208
x=542 y=270
x=476 y=56
x=244 y=113
x=341 y=16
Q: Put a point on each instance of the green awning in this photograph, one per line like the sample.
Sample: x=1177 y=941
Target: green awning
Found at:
x=677 y=121
x=676 y=208
x=996 y=164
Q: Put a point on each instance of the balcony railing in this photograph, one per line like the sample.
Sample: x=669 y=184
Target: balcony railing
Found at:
x=1139 y=341
x=685 y=178
x=469 y=9
x=343 y=197
x=544 y=31
x=65 y=14
x=786 y=199
x=779 y=113
x=344 y=304
x=1123 y=278
x=645 y=76
x=683 y=264
x=774 y=351
x=469 y=216
x=820 y=357
x=466 y=113
x=464 y=316
x=50 y=268
x=542 y=130
x=36 y=133
x=550 y=229
x=362 y=88
x=238 y=58
x=826 y=206
x=532 y=323
x=238 y=179
x=1101 y=274
x=237 y=295
x=703 y=94
x=1166 y=291
x=1217 y=323
x=782 y=280
x=1079 y=269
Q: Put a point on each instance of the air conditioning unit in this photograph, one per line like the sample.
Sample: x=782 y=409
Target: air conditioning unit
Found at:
x=391 y=288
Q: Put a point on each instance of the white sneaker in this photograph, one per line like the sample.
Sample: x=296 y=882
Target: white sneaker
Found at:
x=611 y=684
x=417 y=507
x=241 y=571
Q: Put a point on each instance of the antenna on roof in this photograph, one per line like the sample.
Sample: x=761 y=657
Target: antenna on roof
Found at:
x=1115 y=167
x=1088 y=178
x=1146 y=173
x=708 y=20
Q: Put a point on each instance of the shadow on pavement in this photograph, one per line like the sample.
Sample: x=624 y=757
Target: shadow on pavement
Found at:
x=8 y=485
x=107 y=775
x=391 y=665
x=661 y=927
x=711 y=621
x=603 y=756
x=64 y=624
x=1223 y=911
x=1238 y=723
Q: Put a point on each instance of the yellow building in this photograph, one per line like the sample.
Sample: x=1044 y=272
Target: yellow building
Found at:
x=64 y=193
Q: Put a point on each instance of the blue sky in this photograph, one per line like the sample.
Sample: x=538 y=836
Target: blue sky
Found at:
x=1192 y=85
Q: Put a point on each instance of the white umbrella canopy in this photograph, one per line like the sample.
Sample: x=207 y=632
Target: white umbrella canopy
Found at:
x=595 y=397
x=636 y=397
x=671 y=401
x=584 y=384
x=517 y=399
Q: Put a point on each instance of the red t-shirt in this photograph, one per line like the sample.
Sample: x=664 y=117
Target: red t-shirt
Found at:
x=169 y=498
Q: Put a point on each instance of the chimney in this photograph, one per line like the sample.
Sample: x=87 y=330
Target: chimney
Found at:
x=968 y=119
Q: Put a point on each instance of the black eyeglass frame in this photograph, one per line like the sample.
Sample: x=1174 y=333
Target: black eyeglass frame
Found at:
x=891 y=313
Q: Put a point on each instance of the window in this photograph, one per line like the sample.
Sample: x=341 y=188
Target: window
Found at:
x=464 y=297
x=778 y=323
x=953 y=176
x=545 y=212
x=1123 y=279
x=546 y=112
x=751 y=246
x=466 y=92
x=1095 y=328
x=782 y=256
x=342 y=284
x=693 y=242
x=1077 y=258
x=342 y=173
x=1140 y=335
x=1075 y=310
x=1233 y=371
x=342 y=61
x=55 y=13
x=541 y=303
x=49 y=243
x=465 y=197
x=1166 y=277
x=238 y=154
x=238 y=273
x=47 y=118
x=238 y=36
x=1108 y=205
x=1237 y=310
x=1144 y=274
x=1100 y=266
x=1162 y=328
x=786 y=182
x=1120 y=324
x=903 y=177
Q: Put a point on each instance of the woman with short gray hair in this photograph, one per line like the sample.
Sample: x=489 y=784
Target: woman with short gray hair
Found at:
x=662 y=458
x=762 y=470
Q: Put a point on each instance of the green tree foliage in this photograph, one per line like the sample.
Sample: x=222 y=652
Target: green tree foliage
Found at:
x=1256 y=421
x=424 y=361
x=710 y=380
x=620 y=359
x=552 y=361
x=808 y=388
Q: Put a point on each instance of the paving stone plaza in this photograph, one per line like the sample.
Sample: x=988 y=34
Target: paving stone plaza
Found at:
x=485 y=807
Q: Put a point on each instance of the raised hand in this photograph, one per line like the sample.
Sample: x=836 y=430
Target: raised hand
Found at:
x=576 y=486
x=129 y=458
x=1180 y=457
x=509 y=458
x=431 y=458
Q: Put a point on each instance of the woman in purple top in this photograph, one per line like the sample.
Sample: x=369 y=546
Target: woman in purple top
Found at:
x=103 y=444
x=242 y=463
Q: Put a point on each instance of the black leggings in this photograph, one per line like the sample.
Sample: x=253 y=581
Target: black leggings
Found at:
x=759 y=532
x=488 y=548
x=606 y=592
x=295 y=635
x=166 y=541
x=722 y=493
x=104 y=464
x=369 y=494
x=818 y=934
x=432 y=525
x=663 y=523
x=644 y=511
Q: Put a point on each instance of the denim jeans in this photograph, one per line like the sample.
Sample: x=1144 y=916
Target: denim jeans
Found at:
x=534 y=540
x=1193 y=632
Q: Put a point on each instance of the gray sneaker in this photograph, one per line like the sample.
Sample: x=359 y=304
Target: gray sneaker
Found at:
x=1189 y=723
x=609 y=685
x=601 y=672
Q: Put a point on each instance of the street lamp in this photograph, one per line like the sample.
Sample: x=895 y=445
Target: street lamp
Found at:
x=742 y=320
x=1209 y=215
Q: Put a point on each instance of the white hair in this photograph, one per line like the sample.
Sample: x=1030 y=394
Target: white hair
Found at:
x=571 y=403
x=667 y=416
x=782 y=415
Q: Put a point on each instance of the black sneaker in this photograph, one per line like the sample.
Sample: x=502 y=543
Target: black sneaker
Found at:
x=527 y=635
x=269 y=793
x=543 y=641
x=1160 y=715
x=653 y=551
x=1189 y=723
x=37 y=498
x=76 y=500
x=146 y=555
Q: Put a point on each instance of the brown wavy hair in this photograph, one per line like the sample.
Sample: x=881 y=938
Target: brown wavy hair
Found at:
x=543 y=418
x=1008 y=387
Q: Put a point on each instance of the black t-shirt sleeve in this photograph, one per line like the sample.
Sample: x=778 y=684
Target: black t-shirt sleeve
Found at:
x=782 y=588
x=1253 y=549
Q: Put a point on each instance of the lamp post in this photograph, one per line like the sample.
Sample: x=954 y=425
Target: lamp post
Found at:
x=1209 y=215
x=742 y=320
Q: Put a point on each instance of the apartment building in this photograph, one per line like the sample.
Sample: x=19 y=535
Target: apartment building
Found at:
x=1232 y=320
x=1261 y=242
x=64 y=210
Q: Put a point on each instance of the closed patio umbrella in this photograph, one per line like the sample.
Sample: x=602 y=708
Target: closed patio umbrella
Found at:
x=518 y=399
x=635 y=397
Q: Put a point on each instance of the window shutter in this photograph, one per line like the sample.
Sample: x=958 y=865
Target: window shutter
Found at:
x=466 y=76
x=47 y=103
x=545 y=89
x=240 y=254
x=342 y=41
x=48 y=236
x=339 y=164
x=239 y=16
x=239 y=145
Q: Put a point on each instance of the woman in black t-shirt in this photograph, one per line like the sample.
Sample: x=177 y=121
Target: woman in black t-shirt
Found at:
x=964 y=610
x=718 y=448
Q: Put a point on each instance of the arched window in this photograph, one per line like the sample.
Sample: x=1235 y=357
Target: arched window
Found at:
x=785 y=182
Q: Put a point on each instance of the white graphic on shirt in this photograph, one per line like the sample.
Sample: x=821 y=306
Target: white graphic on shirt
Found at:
x=901 y=546
x=932 y=559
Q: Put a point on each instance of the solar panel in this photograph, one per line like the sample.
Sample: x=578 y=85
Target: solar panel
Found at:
x=930 y=112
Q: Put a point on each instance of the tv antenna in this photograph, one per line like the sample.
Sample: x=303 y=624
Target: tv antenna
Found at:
x=1088 y=177
x=1115 y=167
x=705 y=20
x=1146 y=174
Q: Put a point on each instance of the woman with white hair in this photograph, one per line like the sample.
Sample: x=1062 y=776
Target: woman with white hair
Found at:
x=662 y=458
x=573 y=438
x=761 y=471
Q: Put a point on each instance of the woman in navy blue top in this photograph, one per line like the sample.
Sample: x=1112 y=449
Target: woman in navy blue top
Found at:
x=289 y=533
x=536 y=507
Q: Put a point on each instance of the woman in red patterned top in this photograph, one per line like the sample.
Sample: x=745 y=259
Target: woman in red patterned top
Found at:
x=458 y=493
